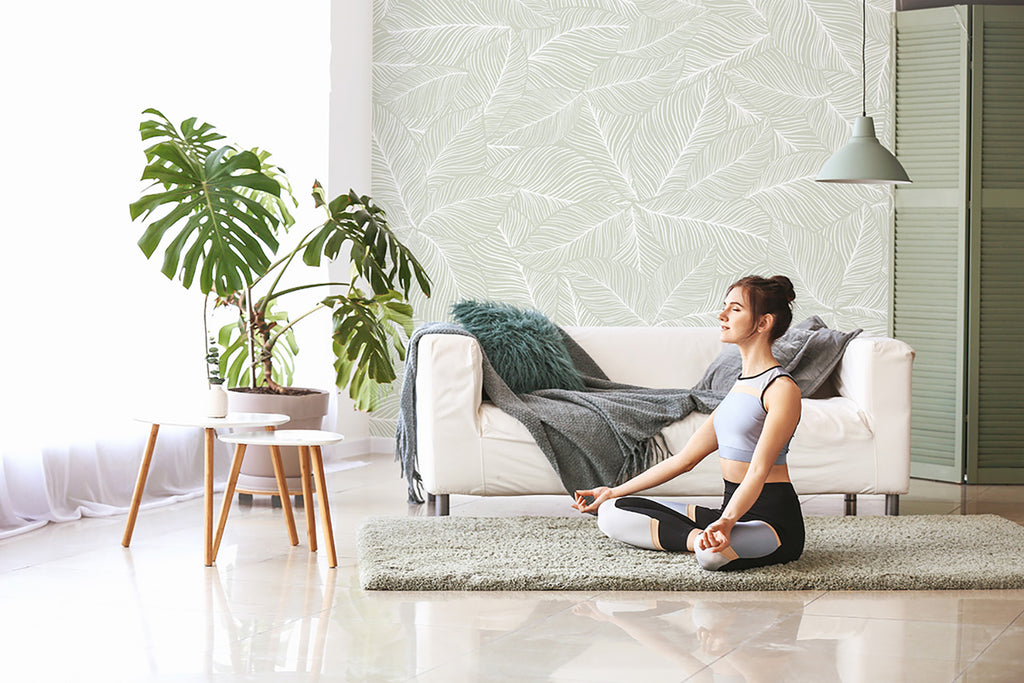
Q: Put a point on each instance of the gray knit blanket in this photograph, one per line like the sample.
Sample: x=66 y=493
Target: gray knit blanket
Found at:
x=601 y=436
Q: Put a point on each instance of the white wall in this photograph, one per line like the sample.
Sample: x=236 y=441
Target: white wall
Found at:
x=86 y=316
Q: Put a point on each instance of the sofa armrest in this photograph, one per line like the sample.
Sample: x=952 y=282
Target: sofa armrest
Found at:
x=875 y=373
x=449 y=390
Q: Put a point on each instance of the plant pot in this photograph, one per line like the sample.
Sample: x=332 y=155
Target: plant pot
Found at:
x=305 y=412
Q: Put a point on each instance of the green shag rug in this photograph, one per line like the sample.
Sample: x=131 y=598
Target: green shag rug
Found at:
x=914 y=552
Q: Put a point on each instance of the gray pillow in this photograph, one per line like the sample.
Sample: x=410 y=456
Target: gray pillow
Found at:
x=822 y=354
x=808 y=350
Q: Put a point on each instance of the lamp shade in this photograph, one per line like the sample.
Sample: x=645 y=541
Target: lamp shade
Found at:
x=863 y=159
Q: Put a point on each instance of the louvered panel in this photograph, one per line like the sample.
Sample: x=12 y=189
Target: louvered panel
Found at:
x=958 y=277
x=925 y=314
x=927 y=109
x=1002 y=165
x=1000 y=366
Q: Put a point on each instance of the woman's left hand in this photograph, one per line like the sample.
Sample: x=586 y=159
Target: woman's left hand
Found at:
x=716 y=536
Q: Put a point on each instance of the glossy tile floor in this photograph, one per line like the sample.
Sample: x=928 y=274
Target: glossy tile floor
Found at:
x=76 y=606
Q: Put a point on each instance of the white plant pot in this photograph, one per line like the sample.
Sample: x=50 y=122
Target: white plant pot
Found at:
x=305 y=412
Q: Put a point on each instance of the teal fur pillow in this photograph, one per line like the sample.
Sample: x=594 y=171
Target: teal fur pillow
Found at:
x=524 y=347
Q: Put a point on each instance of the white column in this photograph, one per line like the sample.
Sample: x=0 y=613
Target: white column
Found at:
x=349 y=143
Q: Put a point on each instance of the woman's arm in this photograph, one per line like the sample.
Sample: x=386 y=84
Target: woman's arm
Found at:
x=782 y=401
x=699 y=446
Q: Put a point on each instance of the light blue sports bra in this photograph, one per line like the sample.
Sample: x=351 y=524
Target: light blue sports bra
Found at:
x=740 y=417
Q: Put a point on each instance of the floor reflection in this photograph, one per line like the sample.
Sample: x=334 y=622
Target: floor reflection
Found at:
x=721 y=635
x=255 y=626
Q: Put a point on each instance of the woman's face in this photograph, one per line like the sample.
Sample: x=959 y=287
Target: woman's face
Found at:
x=737 y=321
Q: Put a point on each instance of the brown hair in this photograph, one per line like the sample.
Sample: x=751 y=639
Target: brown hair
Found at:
x=769 y=295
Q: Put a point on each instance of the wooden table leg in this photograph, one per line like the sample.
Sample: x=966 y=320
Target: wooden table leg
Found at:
x=282 y=490
x=325 y=510
x=140 y=484
x=229 y=492
x=307 y=497
x=208 y=502
x=320 y=645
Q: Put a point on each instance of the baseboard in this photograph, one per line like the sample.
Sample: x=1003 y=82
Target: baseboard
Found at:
x=364 y=446
x=350 y=448
x=382 y=444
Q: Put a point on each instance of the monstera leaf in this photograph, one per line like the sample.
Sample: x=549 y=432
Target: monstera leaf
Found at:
x=223 y=207
x=375 y=252
x=366 y=331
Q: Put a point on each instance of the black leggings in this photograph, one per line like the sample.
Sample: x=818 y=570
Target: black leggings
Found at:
x=777 y=506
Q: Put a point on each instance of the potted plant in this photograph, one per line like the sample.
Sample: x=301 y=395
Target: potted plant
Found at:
x=223 y=209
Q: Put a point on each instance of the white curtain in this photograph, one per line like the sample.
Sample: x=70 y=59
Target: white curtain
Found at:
x=93 y=333
x=93 y=475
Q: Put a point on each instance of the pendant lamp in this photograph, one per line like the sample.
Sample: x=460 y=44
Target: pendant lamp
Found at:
x=863 y=159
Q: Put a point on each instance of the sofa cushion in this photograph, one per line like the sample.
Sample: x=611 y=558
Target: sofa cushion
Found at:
x=831 y=452
x=660 y=357
x=808 y=350
x=524 y=347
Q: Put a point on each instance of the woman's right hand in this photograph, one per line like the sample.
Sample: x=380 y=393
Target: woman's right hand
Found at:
x=599 y=495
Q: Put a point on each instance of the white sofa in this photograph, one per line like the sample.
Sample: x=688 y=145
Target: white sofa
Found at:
x=856 y=442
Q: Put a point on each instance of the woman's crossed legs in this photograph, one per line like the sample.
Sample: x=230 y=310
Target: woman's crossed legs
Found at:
x=662 y=525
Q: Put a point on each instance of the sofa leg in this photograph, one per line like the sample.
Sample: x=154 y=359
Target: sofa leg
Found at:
x=441 y=505
x=851 y=504
x=892 y=504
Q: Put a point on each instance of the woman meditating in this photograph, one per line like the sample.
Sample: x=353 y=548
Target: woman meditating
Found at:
x=760 y=521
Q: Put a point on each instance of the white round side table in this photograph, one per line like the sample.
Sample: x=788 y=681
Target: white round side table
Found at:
x=209 y=425
x=309 y=442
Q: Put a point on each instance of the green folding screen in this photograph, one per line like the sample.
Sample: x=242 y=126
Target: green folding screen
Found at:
x=958 y=252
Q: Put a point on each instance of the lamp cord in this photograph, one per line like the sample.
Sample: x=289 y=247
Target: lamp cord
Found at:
x=863 y=59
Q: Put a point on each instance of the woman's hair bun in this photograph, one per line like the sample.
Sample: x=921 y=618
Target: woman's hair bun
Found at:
x=786 y=285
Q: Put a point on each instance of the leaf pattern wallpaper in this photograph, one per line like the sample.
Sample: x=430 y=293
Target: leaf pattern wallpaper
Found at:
x=620 y=162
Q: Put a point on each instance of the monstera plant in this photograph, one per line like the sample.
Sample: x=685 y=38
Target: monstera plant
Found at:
x=219 y=212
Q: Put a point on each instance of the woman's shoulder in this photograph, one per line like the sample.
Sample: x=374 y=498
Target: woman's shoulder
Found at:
x=782 y=389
